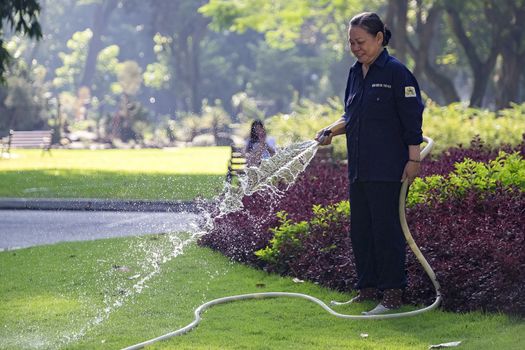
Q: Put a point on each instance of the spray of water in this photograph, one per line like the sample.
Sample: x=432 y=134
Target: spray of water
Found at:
x=122 y=283
x=145 y=257
x=274 y=176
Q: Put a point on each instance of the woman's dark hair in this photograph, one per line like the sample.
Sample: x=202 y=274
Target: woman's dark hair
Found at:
x=371 y=22
x=254 y=137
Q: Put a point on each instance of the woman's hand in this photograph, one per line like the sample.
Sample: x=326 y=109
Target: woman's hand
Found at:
x=411 y=171
x=324 y=138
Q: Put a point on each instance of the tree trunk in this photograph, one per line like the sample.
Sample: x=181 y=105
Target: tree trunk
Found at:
x=187 y=62
x=513 y=56
x=43 y=24
x=481 y=77
x=195 y=61
x=100 y=23
x=481 y=70
x=194 y=77
x=421 y=54
x=508 y=83
x=179 y=51
x=396 y=21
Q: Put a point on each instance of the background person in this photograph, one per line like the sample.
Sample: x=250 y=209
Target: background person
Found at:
x=259 y=146
x=382 y=122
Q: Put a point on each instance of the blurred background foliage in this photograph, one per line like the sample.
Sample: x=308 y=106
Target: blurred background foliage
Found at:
x=157 y=73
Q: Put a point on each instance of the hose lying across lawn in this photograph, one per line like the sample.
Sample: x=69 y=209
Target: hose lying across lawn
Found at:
x=410 y=241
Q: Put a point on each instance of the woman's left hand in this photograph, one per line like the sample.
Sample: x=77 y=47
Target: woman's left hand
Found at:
x=411 y=171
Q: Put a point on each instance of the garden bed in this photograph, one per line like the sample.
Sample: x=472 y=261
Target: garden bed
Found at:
x=468 y=219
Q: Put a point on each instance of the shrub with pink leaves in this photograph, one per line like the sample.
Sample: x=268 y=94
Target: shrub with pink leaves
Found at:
x=475 y=246
x=478 y=151
x=238 y=235
x=474 y=241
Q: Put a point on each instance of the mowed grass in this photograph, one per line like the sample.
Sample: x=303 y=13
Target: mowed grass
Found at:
x=50 y=293
x=152 y=174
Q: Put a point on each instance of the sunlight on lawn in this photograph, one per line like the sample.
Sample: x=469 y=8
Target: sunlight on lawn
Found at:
x=194 y=160
x=167 y=174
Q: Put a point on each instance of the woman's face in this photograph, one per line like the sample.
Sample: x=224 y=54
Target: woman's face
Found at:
x=364 y=45
x=261 y=133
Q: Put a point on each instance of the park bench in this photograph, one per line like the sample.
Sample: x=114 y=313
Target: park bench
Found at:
x=27 y=139
x=237 y=162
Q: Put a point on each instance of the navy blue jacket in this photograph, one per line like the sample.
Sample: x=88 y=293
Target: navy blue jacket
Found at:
x=383 y=114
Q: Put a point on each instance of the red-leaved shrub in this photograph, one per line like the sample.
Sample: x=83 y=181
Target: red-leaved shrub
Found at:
x=478 y=151
x=476 y=247
x=474 y=243
x=238 y=235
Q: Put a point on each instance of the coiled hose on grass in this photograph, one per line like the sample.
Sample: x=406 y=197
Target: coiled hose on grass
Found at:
x=411 y=243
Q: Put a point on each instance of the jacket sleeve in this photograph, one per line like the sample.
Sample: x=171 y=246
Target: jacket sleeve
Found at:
x=409 y=105
x=347 y=93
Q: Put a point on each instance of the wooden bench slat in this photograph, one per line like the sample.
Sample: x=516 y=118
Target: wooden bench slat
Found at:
x=27 y=139
x=29 y=134
x=237 y=162
x=30 y=139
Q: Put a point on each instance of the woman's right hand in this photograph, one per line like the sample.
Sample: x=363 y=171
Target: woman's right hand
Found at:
x=324 y=137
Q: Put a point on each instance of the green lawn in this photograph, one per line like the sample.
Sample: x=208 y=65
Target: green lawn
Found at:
x=53 y=292
x=171 y=174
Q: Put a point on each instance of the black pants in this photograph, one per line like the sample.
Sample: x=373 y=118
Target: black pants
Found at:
x=377 y=239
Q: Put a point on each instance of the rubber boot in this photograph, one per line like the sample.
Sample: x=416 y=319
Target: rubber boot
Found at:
x=392 y=300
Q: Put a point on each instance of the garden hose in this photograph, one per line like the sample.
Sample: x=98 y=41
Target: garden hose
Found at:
x=410 y=241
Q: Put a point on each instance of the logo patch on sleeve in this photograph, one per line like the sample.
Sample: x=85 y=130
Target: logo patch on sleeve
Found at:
x=410 y=91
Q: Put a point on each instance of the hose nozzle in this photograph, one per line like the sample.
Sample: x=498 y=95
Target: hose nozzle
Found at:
x=324 y=135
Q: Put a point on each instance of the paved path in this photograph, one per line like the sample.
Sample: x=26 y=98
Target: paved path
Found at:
x=25 y=228
x=96 y=204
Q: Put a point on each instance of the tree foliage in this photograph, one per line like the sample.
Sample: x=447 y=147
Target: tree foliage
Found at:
x=186 y=30
x=477 y=27
x=24 y=97
x=67 y=77
x=258 y=58
x=286 y=23
x=21 y=17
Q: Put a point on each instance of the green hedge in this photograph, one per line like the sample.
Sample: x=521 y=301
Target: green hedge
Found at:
x=449 y=125
x=304 y=123
x=456 y=124
x=507 y=170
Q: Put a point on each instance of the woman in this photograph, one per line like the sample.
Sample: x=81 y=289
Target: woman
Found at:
x=258 y=147
x=382 y=123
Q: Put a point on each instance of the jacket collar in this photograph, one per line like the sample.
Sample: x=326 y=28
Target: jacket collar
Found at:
x=380 y=60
